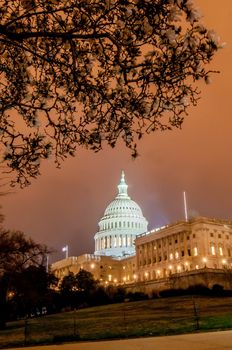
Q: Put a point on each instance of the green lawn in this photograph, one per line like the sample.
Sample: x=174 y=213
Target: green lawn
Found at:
x=130 y=319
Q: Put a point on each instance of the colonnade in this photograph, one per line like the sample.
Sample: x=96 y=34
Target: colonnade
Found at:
x=114 y=241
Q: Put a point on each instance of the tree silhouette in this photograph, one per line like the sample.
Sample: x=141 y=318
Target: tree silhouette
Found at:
x=84 y=72
x=78 y=289
x=17 y=254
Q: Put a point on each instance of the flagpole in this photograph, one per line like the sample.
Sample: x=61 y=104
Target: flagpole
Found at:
x=47 y=263
x=185 y=207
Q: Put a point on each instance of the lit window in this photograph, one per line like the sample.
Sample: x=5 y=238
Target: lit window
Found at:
x=220 y=251
x=195 y=251
x=176 y=255
x=213 y=250
x=171 y=256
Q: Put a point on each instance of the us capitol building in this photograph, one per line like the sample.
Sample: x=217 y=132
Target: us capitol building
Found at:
x=179 y=255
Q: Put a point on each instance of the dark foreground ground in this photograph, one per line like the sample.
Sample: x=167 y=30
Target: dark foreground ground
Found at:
x=201 y=341
x=157 y=317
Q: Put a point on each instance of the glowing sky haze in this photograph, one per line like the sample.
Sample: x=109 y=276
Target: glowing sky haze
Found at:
x=64 y=206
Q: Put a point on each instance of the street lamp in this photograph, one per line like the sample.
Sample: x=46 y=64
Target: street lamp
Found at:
x=204 y=261
x=224 y=262
x=65 y=249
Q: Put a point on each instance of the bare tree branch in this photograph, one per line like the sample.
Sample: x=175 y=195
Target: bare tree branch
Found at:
x=80 y=73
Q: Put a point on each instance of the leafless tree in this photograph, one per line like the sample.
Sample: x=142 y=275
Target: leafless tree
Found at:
x=84 y=72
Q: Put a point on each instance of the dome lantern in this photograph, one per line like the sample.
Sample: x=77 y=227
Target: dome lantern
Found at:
x=122 y=188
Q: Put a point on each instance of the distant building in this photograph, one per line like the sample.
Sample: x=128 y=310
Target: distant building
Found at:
x=197 y=251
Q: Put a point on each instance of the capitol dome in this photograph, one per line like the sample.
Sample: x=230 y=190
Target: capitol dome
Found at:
x=123 y=220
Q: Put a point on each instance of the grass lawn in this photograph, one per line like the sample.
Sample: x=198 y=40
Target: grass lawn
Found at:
x=130 y=319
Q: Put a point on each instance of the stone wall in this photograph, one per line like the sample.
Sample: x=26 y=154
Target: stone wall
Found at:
x=206 y=277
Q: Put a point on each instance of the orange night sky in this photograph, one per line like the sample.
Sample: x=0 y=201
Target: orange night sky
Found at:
x=64 y=206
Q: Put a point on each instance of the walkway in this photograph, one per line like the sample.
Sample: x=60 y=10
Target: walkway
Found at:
x=201 y=341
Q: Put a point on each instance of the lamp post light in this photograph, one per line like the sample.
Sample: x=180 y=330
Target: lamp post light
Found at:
x=224 y=262
x=65 y=249
x=204 y=261
x=135 y=277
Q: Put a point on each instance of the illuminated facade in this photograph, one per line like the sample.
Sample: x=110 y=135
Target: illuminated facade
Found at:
x=125 y=253
x=104 y=268
x=185 y=246
x=122 y=222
